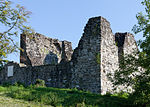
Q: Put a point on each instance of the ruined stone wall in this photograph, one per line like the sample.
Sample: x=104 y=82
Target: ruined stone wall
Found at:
x=99 y=53
x=109 y=56
x=86 y=66
x=41 y=50
x=126 y=44
x=130 y=45
x=53 y=75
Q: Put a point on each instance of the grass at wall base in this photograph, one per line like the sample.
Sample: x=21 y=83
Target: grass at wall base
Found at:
x=37 y=96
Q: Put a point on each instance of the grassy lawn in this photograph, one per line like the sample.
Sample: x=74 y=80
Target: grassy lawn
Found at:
x=19 y=96
x=10 y=102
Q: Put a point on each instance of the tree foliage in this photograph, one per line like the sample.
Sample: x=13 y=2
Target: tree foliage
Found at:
x=12 y=20
x=135 y=71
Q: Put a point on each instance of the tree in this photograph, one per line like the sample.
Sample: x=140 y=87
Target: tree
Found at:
x=135 y=71
x=12 y=20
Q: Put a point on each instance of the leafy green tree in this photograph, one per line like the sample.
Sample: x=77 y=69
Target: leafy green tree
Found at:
x=135 y=71
x=12 y=20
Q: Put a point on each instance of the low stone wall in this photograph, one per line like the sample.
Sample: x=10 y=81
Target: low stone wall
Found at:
x=53 y=75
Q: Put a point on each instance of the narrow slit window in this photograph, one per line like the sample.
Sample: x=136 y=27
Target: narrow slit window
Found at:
x=10 y=71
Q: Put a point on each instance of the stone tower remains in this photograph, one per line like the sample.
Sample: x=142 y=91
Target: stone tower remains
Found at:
x=95 y=56
x=98 y=53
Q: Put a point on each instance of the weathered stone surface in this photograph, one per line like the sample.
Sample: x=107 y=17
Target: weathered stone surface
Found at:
x=126 y=44
x=109 y=56
x=98 y=53
x=41 y=50
x=53 y=75
x=86 y=69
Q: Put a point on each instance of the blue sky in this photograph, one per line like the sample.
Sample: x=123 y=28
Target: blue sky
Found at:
x=65 y=19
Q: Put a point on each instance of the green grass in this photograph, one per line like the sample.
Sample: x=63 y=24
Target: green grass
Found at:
x=10 y=102
x=60 y=97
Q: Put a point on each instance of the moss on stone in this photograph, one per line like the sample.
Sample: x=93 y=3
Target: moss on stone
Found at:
x=98 y=58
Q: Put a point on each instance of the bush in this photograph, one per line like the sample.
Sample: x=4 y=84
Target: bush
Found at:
x=19 y=84
x=6 y=84
x=40 y=82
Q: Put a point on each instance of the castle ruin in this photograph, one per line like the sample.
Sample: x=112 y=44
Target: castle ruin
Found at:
x=86 y=67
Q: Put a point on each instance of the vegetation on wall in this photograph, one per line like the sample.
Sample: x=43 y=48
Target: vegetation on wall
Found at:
x=40 y=82
x=98 y=58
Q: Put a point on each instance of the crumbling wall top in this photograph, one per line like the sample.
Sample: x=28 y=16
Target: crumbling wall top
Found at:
x=39 y=50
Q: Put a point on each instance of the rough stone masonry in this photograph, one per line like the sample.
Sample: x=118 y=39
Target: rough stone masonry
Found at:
x=98 y=53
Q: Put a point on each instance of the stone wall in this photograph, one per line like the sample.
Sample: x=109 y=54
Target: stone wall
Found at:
x=53 y=75
x=126 y=44
x=41 y=50
x=99 y=53
x=109 y=56
x=85 y=65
